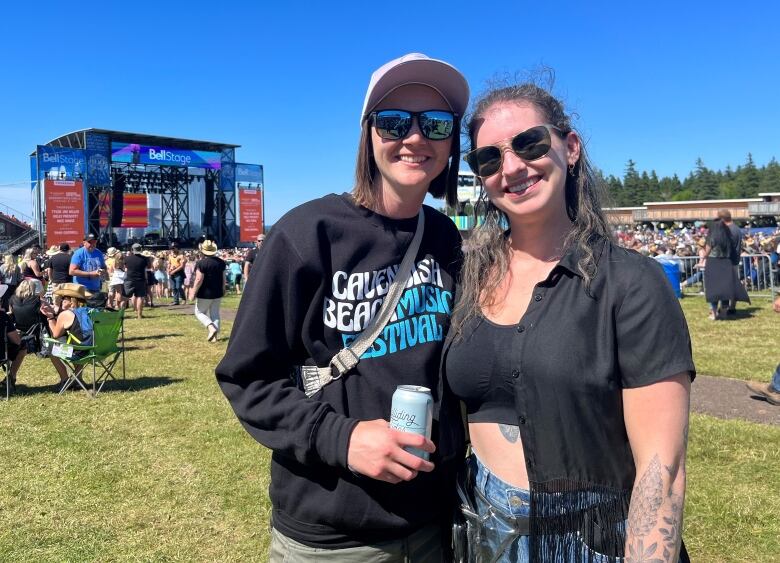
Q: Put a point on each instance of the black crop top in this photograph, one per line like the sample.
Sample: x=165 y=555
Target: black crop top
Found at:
x=478 y=369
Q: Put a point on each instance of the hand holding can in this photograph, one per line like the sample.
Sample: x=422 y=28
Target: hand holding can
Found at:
x=412 y=411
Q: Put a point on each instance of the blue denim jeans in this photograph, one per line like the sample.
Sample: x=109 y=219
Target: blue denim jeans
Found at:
x=776 y=380
x=177 y=288
x=498 y=503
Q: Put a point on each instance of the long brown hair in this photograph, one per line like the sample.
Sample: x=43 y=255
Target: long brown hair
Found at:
x=443 y=185
x=487 y=251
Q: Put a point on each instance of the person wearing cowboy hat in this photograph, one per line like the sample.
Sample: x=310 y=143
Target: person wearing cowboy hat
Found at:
x=115 y=267
x=69 y=322
x=58 y=266
x=208 y=288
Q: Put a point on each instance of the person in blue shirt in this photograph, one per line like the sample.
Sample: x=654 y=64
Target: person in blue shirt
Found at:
x=236 y=273
x=87 y=265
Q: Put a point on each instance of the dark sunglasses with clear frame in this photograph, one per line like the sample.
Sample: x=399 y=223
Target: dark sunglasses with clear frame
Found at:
x=531 y=144
x=395 y=124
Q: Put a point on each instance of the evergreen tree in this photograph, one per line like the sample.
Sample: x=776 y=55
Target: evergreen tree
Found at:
x=747 y=179
x=615 y=195
x=705 y=185
x=668 y=187
x=632 y=185
x=770 y=178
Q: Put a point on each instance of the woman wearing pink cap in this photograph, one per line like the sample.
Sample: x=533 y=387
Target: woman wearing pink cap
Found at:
x=343 y=487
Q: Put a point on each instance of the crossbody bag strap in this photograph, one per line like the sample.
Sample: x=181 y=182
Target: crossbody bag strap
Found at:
x=315 y=378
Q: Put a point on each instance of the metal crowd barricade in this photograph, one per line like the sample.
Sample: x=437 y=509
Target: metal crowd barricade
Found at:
x=756 y=271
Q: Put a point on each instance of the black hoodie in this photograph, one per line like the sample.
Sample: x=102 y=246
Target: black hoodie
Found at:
x=318 y=279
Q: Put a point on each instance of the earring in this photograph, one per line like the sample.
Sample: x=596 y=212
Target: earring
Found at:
x=571 y=170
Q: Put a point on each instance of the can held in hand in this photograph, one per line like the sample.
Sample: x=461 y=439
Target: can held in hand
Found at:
x=412 y=411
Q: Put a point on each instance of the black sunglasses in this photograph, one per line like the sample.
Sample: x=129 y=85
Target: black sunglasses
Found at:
x=531 y=144
x=394 y=124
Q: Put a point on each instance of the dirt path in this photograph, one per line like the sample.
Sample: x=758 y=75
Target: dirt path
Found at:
x=729 y=398
x=716 y=396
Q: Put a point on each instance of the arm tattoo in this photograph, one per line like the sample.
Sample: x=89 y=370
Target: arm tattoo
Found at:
x=672 y=520
x=510 y=432
x=645 y=500
x=639 y=554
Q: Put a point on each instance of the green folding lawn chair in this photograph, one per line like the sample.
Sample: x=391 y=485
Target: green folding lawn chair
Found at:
x=102 y=355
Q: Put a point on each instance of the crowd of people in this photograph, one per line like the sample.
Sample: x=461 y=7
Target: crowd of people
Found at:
x=40 y=291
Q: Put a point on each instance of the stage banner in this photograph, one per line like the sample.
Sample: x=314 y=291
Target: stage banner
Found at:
x=135 y=210
x=133 y=153
x=104 y=208
x=226 y=177
x=33 y=172
x=251 y=214
x=227 y=174
x=98 y=168
x=57 y=163
x=249 y=174
x=64 y=212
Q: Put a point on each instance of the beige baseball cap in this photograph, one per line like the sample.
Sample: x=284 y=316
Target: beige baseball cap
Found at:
x=416 y=68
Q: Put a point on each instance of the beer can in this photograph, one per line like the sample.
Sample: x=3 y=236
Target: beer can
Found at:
x=412 y=411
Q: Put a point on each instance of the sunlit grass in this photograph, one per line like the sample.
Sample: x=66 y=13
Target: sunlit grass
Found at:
x=158 y=469
x=743 y=347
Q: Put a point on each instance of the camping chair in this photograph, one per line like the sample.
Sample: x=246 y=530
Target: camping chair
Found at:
x=5 y=364
x=102 y=355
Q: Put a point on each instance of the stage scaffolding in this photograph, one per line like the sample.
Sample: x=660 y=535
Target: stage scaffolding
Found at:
x=173 y=183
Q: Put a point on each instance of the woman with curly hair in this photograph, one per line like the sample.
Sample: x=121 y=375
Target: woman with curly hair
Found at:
x=571 y=355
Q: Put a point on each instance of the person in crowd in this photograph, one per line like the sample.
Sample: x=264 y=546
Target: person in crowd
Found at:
x=46 y=269
x=88 y=266
x=151 y=280
x=249 y=260
x=571 y=354
x=189 y=276
x=58 y=270
x=160 y=275
x=135 y=283
x=342 y=485
x=31 y=269
x=115 y=268
x=176 y=273
x=700 y=266
x=770 y=392
x=10 y=275
x=70 y=323
x=209 y=288
x=236 y=273
x=734 y=252
x=25 y=305
x=12 y=347
x=721 y=281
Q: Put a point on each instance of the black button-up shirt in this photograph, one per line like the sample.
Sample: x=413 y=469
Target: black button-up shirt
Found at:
x=574 y=351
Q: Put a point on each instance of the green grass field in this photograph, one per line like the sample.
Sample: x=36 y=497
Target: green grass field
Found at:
x=743 y=347
x=158 y=469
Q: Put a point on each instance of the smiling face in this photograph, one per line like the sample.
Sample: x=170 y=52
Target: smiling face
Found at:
x=526 y=190
x=407 y=166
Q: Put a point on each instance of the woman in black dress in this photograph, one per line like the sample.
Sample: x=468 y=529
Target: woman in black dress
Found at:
x=721 y=282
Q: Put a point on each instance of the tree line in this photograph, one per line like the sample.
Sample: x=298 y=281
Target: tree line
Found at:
x=748 y=180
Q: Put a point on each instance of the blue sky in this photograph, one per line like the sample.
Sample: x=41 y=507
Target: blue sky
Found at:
x=662 y=83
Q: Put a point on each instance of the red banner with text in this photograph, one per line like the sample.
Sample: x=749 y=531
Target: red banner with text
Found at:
x=135 y=210
x=64 y=201
x=250 y=203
